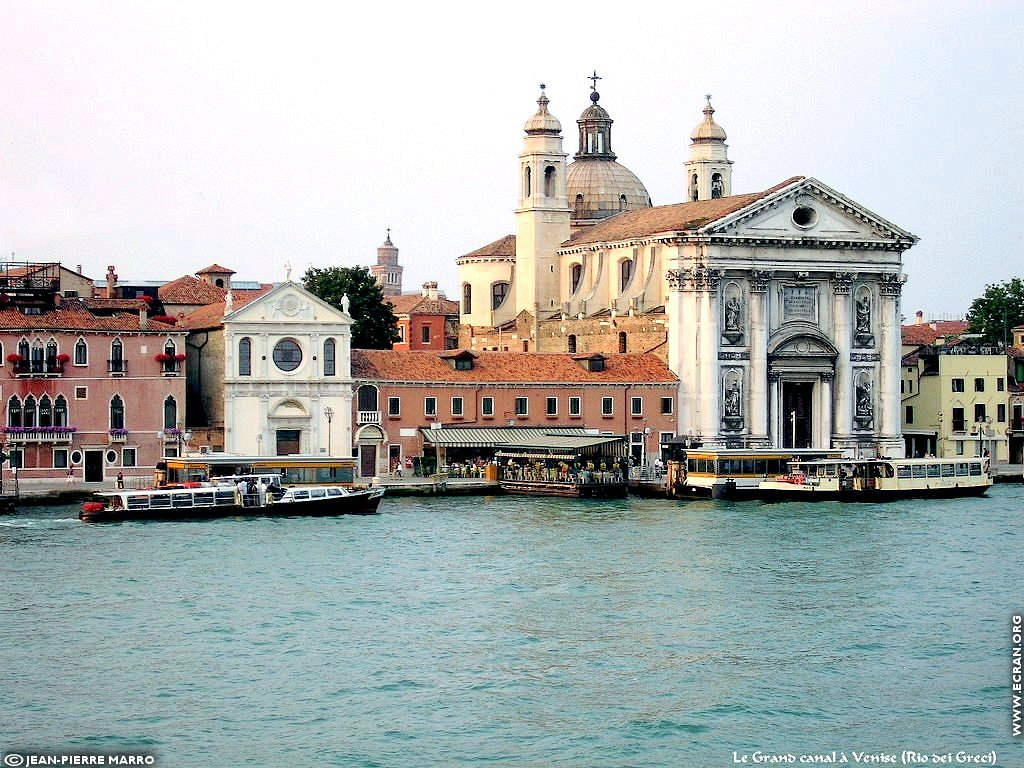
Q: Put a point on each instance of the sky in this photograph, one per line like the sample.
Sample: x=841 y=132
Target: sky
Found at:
x=164 y=137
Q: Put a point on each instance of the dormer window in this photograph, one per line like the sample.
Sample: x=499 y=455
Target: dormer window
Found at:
x=592 y=363
x=460 y=359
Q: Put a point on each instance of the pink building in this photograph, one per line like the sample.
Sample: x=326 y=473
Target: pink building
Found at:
x=425 y=320
x=93 y=387
x=398 y=394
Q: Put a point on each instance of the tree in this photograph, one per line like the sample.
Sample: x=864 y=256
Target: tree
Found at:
x=374 y=324
x=998 y=310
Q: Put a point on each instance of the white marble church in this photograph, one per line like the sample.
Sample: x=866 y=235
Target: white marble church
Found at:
x=781 y=308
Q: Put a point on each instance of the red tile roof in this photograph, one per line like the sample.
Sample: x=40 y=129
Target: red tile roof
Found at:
x=190 y=290
x=422 y=305
x=507 y=367
x=73 y=315
x=216 y=268
x=212 y=315
x=680 y=217
x=925 y=333
x=504 y=247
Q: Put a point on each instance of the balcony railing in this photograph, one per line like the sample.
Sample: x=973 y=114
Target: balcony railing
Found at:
x=117 y=366
x=39 y=434
x=39 y=368
x=1017 y=424
x=368 y=417
x=171 y=368
x=118 y=435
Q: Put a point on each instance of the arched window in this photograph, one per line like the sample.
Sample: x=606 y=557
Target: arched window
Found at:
x=329 y=357
x=717 y=187
x=579 y=206
x=219 y=282
x=625 y=273
x=527 y=182
x=45 y=411
x=170 y=412
x=499 y=291
x=366 y=398
x=570 y=343
x=51 y=355
x=622 y=342
x=81 y=352
x=467 y=299
x=693 y=188
x=38 y=356
x=116 y=412
x=14 y=412
x=549 y=181
x=28 y=416
x=245 y=357
x=622 y=202
x=169 y=348
x=116 y=356
x=576 y=274
x=60 y=412
x=23 y=349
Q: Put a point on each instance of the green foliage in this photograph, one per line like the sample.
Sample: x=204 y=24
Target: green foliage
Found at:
x=374 y=325
x=998 y=310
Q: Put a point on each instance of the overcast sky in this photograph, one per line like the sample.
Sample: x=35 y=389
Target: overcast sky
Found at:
x=163 y=137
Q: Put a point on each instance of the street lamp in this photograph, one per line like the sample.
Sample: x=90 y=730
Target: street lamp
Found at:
x=329 y=413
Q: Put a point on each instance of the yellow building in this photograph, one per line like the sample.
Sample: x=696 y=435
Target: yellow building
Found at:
x=955 y=401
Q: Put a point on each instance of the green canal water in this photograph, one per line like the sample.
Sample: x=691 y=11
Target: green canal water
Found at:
x=516 y=632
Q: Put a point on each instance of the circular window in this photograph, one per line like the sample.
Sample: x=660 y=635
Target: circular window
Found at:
x=76 y=457
x=287 y=354
x=111 y=457
x=805 y=217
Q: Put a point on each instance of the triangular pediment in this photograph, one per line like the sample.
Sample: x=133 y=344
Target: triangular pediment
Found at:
x=809 y=211
x=288 y=303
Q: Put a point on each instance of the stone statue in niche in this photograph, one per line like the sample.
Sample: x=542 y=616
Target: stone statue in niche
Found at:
x=732 y=409
x=733 y=331
x=862 y=329
x=864 y=409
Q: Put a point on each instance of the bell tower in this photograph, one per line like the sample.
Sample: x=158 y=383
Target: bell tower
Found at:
x=387 y=271
x=709 y=169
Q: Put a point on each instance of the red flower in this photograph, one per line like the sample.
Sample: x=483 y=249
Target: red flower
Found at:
x=163 y=357
x=63 y=357
x=14 y=357
x=180 y=356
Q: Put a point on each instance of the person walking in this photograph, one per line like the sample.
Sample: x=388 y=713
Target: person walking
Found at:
x=120 y=480
x=71 y=476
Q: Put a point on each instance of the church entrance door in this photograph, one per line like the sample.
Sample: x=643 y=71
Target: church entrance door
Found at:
x=797 y=414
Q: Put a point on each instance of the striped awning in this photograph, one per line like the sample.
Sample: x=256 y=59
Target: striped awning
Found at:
x=492 y=437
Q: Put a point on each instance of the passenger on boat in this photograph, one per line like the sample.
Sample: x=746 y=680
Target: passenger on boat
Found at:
x=242 y=489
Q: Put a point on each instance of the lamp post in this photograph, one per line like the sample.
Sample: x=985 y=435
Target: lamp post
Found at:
x=329 y=413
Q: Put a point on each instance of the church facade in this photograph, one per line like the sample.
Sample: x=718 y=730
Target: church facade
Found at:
x=779 y=310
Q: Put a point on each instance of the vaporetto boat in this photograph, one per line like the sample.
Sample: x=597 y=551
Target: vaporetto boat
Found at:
x=879 y=479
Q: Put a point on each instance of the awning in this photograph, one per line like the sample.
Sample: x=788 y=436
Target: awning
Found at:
x=490 y=437
x=566 y=447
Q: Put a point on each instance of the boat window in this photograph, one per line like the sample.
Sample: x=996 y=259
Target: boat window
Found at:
x=975 y=468
x=300 y=495
x=902 y=470
x=225 y=497
x=334 y=492
x=948 y=470
x=204 y=498
x=760 y=467
x=748 y=466
x=830 y=470
x=962 y=469
x=317 y=493
x=181 y=499
x=138 y=502
x=920 y=470
x=933 y=470
x=160 y=502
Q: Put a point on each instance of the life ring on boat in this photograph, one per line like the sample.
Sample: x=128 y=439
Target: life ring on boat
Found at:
x=92 y=506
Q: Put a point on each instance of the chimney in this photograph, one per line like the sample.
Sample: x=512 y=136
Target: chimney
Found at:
x=430 y=289
x=918 y=317
x=143 y=315
x=111 y=283
x=78 y=268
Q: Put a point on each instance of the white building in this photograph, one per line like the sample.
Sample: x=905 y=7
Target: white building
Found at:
x=287 y=383
x=781 y=308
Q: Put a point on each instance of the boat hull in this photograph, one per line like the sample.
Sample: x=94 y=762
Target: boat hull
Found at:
x=355 y=503
x=777 y=492
x=569 y=490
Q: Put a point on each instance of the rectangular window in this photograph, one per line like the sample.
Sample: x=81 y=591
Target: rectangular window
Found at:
x=425 y=334
x=1001 y=412
x=959 y=420
x=979 y=411
x=394 y=406
x=522 y=406
x=456 y=406
x=16 y=456
x=902 y=386
x=910 y=387
x=127 y=457
x=551 y=406
x=979 y=385
x=959 y=447
x=958 y=385
x=636 y=406
x=667 y=403
x=607 y=406
x=910 y=415
x=401 y=332
x=575 y=408
x=60 y=458
x=487 y=406
x=1000 y=384
x=430 y=406
x=81 y=393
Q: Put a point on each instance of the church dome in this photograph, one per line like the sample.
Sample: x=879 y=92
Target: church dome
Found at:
x=600 y=188
x=708 y=129
x=543 y=121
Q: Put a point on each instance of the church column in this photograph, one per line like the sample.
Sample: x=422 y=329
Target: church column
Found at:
x=680 y=322
x=710 y=368
x=890 y=426
x=758 y=345
x=824 y=437
x=842 y=424
x=775 y=408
